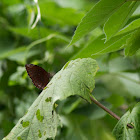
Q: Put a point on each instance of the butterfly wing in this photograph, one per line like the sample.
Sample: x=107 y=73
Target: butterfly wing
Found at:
x=39 y=76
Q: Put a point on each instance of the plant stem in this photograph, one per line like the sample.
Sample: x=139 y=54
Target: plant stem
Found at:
x=109 y=111
x=105 y=109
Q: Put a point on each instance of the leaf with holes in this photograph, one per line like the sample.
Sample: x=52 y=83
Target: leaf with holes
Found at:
x=41 y=120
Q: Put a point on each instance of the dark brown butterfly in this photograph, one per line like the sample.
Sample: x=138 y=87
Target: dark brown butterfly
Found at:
x=39 y=76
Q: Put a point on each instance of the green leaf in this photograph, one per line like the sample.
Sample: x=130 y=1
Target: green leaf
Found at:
x=119 y=19
x=122 y=132
x=42 y=120
x=95 y=17
x=133 y=43
x=97 y=47
x=130 y=27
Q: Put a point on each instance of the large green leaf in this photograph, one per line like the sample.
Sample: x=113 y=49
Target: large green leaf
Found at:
x=41 y=120
x=119 y=19
x=122 y=132
x=95 y=17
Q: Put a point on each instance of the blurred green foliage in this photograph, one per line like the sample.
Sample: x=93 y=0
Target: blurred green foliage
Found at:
x=117 y=81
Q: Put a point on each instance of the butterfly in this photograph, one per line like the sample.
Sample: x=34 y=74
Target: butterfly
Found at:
x=39 y=76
